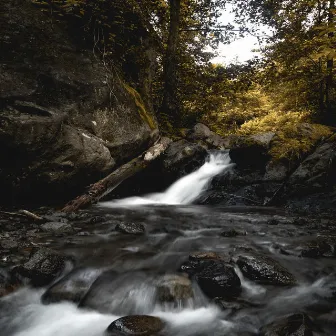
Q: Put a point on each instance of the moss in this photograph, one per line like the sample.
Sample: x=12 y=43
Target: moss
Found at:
x=144 y=114
x=294 y=141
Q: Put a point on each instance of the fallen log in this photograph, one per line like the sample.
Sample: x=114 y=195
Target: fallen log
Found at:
x=103 y=187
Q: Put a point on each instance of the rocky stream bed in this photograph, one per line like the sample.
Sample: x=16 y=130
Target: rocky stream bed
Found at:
x=174 y=270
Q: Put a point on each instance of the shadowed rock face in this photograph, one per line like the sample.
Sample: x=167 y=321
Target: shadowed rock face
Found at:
x=65 y=120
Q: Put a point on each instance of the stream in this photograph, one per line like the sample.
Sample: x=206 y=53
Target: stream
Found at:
x=132 y=266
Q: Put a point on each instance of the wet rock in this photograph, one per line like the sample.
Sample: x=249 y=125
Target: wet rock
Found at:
x=44 y=266
x=73 y=287
x=8 y=244
x=182 y=157
x=131 y=228
x=293 y=325
x=251 y=151
x=57 y=227
x=143 y=325
x=121 y=294
x=264 y=270
x=322 y=246
x=233 y=233
x=217 y=279
x=173 y=288
x=204 y=256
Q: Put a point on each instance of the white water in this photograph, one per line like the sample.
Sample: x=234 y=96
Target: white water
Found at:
x=184 y=191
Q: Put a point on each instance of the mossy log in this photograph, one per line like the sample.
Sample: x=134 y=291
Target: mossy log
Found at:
x=103 y=187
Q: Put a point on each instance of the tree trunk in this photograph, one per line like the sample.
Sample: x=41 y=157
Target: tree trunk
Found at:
x=169 y=110
x=330 y=63
x=103 y=187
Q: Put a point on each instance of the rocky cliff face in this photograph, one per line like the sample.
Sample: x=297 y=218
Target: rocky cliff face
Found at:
x=66 y=117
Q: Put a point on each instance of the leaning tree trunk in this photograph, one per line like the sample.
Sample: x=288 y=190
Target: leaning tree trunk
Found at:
x=169 y=110
x=101 y=188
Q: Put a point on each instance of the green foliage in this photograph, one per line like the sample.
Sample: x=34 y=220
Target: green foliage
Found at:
x=294 y=141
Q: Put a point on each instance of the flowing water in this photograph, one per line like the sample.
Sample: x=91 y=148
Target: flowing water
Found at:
x=174 y=229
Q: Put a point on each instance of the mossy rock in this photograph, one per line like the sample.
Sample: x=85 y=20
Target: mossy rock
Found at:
x=144 y=114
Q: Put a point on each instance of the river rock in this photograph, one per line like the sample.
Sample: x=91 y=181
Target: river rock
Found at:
x=143 y=325
x=217 y=278
x=264 y=270
x=57 y=227
x=322 y=246
x=298 y=324
x=72 y=287
x=174 y=288
x=44 y=266
x=131 y=228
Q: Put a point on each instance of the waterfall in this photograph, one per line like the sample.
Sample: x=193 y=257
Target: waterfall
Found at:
x=185 y=190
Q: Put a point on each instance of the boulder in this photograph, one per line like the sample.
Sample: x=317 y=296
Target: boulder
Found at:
x=298 y=324
x=322 y=246
x=316 y=172
x=119 y=294
x=73 y=287
x=251 y=151
x=65 y=121
x=43 y=266
x=218 y=279
x=182 y=157
x=57 y=227
x=201 y=133
x=143 y=325
x=131 y=228
x=174 y=288
x=264 y=270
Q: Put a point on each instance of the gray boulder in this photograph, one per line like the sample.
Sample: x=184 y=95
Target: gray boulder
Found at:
x=65 y=120
x=202 y=134
x=44 y=266
x=182 y=157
